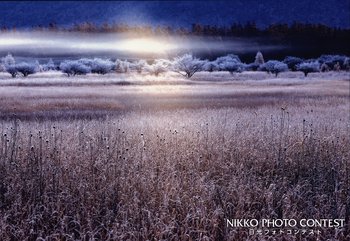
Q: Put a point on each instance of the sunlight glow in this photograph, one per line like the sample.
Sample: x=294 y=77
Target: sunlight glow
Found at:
x=87 y=43
x=141 y=45
x=15 y=41
x=145 y=46
x=77 y=43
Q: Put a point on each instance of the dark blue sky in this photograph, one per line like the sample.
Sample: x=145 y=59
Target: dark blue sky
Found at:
x=176 y=13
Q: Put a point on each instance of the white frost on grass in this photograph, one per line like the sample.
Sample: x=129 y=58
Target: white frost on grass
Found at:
x=58 y=78
x=266 y=78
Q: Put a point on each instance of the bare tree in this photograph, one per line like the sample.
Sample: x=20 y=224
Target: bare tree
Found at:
x=187 y=65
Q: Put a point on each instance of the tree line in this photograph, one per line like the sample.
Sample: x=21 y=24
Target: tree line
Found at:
x=186 y=65
x=249 y=29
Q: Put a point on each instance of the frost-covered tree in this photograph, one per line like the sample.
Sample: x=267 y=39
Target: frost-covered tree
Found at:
x=38 y=67
x=49 y=66
x=26 y=68
x=279 y=68
x=259 y=58
x=122 y=66
x=268 y=66
x=337 y=67
x=230 y=63
x=187 y=65
x=101 y=66
x=97 y=65
x=228 y=58
x=159 y=66
x=332 y=60
x=274 y=66
x=292 y=62
x=12 y=70
x=211 y=66
x=8 y=65
x=346 y=63
x=139 y=66
x=309 y=67
x=252 y=67
x=2 y=67
x=324 y=68
x=72 y=68
x=86 y=61
x=8 y=60
x=234 y=67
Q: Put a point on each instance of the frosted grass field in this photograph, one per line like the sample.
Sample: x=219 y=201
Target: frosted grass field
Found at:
x=45 y=93
x=170 y=159
x=58 y=78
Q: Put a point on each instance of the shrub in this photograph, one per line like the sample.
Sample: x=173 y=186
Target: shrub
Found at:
x=187 y=65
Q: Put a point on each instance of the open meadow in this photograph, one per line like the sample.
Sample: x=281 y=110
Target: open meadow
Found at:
x=130 y=157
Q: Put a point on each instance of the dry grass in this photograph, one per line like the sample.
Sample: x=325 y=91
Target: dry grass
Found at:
x=166 y=173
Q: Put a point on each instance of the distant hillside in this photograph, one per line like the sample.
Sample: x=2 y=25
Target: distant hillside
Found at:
x=334 y=13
